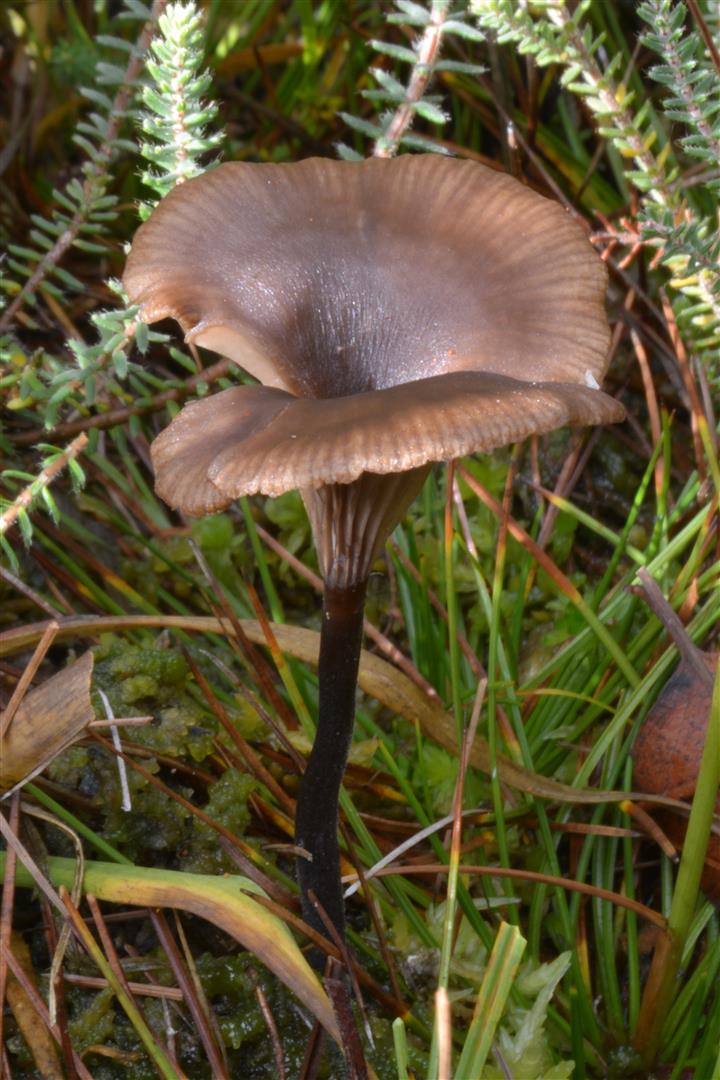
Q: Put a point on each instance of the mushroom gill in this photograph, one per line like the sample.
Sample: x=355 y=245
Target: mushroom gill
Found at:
x=398 y=312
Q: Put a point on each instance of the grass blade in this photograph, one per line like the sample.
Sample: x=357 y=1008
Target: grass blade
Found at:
x=496 y=986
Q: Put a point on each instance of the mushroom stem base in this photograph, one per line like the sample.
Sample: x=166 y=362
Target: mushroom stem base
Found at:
x=316 y=823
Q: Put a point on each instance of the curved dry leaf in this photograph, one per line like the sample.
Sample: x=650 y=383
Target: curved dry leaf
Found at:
x=50 y=718
x=669 y=748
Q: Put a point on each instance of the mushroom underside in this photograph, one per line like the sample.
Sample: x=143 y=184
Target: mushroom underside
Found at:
x=257 y=439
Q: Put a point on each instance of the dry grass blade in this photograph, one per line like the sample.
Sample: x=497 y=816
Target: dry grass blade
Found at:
x=23 y=856
x=155 y=1051
x=652 y=406
x=39 y=1007
x=250 y=758
x=7 y=904
x=696 y=408
x=443 y=1023
x=376 y=678
x=463 y=643
x=388 y=1002
x=94 y=982
x=560 y=580
x=64 y=937
x=645 y=912
x=192 y=993
x=355 y=1064
x=234 y=628
x=383 y=643
x=273 y=1032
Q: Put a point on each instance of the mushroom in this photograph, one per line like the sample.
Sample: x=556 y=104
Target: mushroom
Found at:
x=397 y=312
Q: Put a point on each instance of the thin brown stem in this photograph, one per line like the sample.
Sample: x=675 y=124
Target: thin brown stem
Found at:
x=119 y=416
x=427 y=53
x=45 y=477
x=316 y=826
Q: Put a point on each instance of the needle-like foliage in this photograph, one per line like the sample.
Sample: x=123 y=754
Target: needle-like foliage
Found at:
x=674 y=212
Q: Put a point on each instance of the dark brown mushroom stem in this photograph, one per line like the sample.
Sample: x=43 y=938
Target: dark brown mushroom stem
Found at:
x=316 y=822
x=350 y=524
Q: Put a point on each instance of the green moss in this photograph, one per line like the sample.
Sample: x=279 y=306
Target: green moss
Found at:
x=154 y=682
x=143 y=681
x=171 y=567
x=436 y=774
x=94 y=1022
x=230 y=984
x=227 y=805
x=157 y=824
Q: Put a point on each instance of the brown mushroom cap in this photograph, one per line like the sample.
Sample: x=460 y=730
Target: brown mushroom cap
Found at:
x=442 y=306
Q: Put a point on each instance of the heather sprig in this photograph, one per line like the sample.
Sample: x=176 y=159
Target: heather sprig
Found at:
x=403 y=101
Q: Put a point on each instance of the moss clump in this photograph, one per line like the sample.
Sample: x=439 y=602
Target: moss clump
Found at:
x=230 y=984
x=159 y=830
x=154 y=682
x=227 y=805
x=93 y=1023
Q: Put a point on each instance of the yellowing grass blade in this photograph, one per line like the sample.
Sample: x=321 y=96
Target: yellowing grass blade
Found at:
x=223 y=901
x=496 y=985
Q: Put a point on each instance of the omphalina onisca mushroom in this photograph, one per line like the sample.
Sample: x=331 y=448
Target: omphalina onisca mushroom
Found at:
x=397 y=313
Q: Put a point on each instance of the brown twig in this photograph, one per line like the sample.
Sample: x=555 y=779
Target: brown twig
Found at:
x=689 y=652
x=119 y=416
x=43 y=479
x=427 y=53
